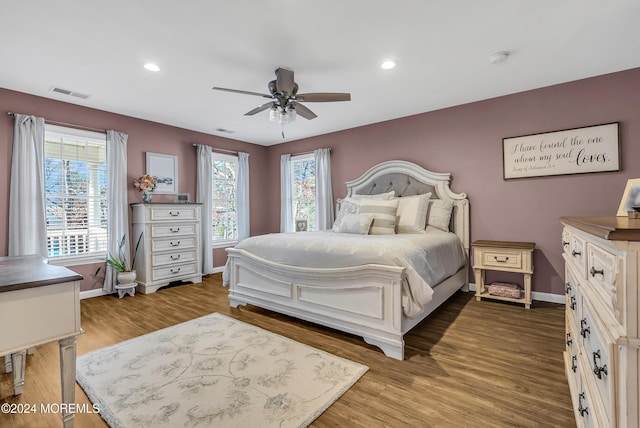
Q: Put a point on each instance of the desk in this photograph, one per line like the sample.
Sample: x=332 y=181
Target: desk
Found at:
x=40 y=303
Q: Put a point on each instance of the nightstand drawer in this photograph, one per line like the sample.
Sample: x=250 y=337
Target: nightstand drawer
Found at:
x=512 y=260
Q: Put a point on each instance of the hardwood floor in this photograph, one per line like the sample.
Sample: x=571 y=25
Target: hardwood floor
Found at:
x=470 y=364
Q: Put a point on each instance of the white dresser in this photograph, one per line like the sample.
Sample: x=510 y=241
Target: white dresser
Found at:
x=170 y=246
x=602 y=354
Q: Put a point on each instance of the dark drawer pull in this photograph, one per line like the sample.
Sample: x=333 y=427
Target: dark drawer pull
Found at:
x=171 y=229
x=174 y=214
x=567 y=288
x=565 y=244
x=595 y=272
x=576 y=253
x=174 y=244
x=574 y=360
x=175 y=271
x=584 y=329
x=175 y=257
x=569 y=340
x=573 y=303
x=583 y=410
x=506 y=259
x=598 y=370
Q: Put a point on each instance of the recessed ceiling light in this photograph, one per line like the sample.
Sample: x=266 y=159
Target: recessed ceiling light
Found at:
x=151 y=67
x=498 y=57
x=388 y=65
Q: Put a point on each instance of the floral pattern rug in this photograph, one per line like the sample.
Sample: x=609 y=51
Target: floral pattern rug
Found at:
x=213 y=371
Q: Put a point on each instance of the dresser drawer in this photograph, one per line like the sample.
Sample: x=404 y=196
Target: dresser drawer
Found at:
x=578 y=254
x=172 y=273
x=571 y=288
x=173 y=213
x=166 y=230
x=566 y=241
x=598 y=351
x=176 y=257
x=602 y=268
x=178 y=243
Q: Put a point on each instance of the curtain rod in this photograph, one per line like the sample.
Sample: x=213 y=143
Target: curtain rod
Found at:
x=220 y=150
x=68 y=125
x=305 y=153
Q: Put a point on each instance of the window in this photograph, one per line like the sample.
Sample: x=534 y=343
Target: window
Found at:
x=225 y=218
x=303 y=189
x=75 y=180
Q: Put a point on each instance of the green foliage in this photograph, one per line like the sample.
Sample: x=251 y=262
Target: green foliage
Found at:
x=120 y=262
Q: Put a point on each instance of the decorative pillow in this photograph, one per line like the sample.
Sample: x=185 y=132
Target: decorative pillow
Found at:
x=385 y=196
x=355 y=223
x=384 y=215
x=346 y=206
x=439 y=215
x=412 y=213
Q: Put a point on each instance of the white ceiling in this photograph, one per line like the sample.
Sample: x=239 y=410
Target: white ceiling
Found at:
x=442 y=49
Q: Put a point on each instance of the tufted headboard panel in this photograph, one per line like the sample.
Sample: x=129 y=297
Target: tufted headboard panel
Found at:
x=402 y=184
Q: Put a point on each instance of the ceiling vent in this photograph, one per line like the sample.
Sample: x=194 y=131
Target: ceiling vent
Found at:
x=70 y=93
x=226 y=131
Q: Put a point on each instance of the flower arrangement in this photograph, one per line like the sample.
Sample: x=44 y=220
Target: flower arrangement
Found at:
x=146 y=184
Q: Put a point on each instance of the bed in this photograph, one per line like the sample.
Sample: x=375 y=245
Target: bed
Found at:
x=344 y=287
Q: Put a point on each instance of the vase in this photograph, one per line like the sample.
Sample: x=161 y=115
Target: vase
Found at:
x=126 y=277
x=146 y=197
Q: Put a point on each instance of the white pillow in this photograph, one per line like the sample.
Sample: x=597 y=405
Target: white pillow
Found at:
x=385 y=196
x=412 y=213
x=439 y=215
x=347 y=206
x=355 y=223
x=384 y=215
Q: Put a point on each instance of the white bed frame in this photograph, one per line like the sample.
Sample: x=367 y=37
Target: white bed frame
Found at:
x=362 y=300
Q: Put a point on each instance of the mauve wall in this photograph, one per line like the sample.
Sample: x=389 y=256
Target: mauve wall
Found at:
x=144 y=136
x=467 y=141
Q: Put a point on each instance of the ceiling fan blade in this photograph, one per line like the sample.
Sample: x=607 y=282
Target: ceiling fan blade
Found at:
x=320 y=97
x=304 y=111
x=284 y=81
x=238 y=91
x=259 y=109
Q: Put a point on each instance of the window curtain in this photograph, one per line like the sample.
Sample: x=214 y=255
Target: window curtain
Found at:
x=204 y=196
x=286 y=195
x=324 y=192
x=242 y=196
x=117 y=200
x=27 y=224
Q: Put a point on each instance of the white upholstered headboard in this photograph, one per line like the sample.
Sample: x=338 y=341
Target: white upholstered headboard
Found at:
x=407 y=179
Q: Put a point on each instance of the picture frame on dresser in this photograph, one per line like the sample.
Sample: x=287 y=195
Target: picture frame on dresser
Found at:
x=630 y=197
x=165 y=168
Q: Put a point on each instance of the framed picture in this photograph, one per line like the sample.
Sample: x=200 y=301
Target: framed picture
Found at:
x=183 y=198
x=572 y=151
x=301 y=225
x=630 y=198
x=165 y=167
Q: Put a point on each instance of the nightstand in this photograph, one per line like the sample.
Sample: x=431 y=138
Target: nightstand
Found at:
x=503 y=256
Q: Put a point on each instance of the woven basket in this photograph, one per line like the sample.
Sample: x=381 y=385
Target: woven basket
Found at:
x=504 y=289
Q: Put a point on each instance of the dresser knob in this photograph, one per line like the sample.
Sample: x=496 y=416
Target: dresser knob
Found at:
x=569 y=340
x=174 y=214
x=574 y=360
x=584 y=329
x=174 y=271
x=583 y=410
x=565 y=244
x=171 y=229
x=576 y=253
x=567 y=288
x=175 y=257
x=174 y=244
x=598 y=370
x=573 y=303
x=506 y=259
x=595 y=272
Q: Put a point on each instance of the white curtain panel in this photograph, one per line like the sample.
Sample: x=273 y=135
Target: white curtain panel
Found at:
x=324 y=192
x=27 y=224
x=118 y=202
x=286 y=195
x=204 y=196
x=242 y=196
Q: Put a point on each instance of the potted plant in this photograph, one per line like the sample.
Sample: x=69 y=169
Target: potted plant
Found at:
x=126 y=273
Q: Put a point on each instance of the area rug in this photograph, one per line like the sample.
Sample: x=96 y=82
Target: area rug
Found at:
x=213 y=371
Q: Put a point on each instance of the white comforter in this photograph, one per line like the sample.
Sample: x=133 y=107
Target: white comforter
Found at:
x=428 y=258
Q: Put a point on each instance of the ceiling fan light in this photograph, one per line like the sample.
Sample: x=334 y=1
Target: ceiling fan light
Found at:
x=387 y=65
x=292 y=114
x=273 y=115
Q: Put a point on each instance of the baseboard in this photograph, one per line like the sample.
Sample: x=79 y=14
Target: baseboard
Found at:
x=218 y=269
x=536 y=295
x=97 y=292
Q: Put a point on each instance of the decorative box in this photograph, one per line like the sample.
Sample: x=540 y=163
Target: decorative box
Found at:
x=504 y=289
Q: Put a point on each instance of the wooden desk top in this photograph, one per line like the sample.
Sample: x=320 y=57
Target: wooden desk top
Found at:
x=529 y=246
x=607 y=227
x=20 y=272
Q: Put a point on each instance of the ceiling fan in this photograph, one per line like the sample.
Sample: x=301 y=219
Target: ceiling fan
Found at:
x=286 y=100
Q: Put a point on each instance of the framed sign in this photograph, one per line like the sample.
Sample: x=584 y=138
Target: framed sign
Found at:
x=301 y=225
x=572 y=151
x=165 y=167
x=630 y=197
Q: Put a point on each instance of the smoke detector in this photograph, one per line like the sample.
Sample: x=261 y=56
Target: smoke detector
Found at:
x=498 y=57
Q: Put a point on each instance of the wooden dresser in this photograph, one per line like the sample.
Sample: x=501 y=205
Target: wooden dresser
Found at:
x=170 y=247
x=602 y=354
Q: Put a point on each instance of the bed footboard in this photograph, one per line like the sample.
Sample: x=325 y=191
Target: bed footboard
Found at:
x=363 y=300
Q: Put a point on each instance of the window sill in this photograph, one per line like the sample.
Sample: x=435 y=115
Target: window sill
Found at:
x=77 y=261
x=225 y=244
